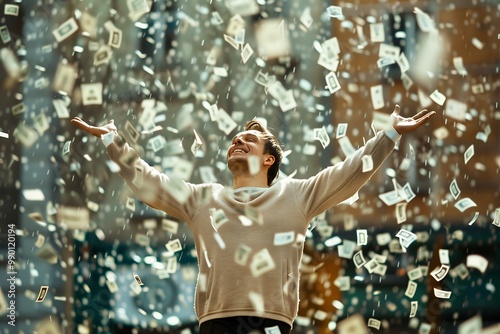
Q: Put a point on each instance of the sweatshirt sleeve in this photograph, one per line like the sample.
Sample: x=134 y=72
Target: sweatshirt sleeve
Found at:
x=337 y=183
x=154 y=188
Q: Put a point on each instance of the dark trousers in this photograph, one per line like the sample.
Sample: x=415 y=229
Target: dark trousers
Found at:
x=242 y=325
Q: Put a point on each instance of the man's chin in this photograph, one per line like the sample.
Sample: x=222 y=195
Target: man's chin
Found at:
x=237 y=163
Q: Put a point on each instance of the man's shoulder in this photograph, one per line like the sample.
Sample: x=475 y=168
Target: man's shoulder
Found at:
x=211 y=185
x=285 y=182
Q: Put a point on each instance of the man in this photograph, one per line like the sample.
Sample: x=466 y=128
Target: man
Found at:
x=249 y=239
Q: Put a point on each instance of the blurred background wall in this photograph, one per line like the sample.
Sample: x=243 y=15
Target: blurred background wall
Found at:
x=160 y=69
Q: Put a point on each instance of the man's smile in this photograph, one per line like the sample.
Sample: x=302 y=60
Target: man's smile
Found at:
x=238 y=150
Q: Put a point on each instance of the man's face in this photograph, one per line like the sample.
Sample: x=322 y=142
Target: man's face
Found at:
x=244 y=144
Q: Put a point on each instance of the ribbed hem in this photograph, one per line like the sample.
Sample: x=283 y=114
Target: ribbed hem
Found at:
x=246 y=313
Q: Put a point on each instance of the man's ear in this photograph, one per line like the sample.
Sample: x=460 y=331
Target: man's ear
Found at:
x=269 y=161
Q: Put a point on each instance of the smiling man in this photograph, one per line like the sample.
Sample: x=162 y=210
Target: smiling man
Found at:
x=249 y=238
x=254 y=156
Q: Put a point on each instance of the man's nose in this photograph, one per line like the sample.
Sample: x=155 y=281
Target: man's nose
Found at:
x=238 y=140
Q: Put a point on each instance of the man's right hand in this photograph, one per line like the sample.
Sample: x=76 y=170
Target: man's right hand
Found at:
x=96 y=131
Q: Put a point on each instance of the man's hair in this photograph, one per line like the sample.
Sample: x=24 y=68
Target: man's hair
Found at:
x=271 y=147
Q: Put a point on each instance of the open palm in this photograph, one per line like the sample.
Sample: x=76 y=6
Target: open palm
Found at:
x=407 y=124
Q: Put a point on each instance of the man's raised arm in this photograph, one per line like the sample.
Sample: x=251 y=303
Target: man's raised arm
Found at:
x=337 y=183
x=156 y=189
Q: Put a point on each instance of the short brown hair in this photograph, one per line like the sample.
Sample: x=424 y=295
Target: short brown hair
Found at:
x=271 y=147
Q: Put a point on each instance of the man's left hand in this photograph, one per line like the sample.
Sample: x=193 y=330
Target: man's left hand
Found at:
x=404 y=125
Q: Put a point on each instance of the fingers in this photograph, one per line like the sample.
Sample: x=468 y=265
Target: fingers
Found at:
x=424 y=118
x=419 y=114
x=397 y=109
x=78 y=122
x=96 y=131
x=422 y=113
x=83 y=125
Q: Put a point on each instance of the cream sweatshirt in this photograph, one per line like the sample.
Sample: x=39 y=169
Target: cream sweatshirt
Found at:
x=249 y=241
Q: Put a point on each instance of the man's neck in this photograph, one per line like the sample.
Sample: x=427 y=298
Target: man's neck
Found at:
x=259 y=181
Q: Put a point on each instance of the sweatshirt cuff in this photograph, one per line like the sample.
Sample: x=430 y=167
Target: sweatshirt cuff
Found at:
x=108 y=138
x=393 y=134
